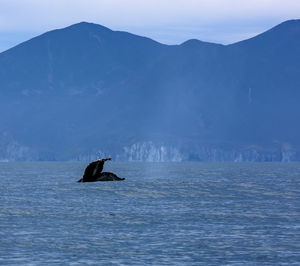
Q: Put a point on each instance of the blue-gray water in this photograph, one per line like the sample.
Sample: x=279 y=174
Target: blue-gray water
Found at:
x=162 y=214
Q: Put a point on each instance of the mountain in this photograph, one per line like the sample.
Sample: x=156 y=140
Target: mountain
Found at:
x=86 y=91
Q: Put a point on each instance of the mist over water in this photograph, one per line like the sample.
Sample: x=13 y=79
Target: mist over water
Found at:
x=162 y=214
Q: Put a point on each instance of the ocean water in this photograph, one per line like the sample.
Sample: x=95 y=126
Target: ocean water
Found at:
x=162 y=214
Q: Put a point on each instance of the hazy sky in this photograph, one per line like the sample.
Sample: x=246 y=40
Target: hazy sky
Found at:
x=167 y=21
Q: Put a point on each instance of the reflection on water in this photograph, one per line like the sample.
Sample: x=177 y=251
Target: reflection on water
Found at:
x=162 y=214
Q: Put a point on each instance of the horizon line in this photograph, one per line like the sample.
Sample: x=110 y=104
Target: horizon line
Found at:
x=144 y=36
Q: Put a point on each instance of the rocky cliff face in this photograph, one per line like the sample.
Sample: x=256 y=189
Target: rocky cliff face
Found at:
x=149 y=151
x=11 y=150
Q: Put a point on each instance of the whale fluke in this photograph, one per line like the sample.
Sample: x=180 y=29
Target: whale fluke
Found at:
x=104 y=176
x=93 y=172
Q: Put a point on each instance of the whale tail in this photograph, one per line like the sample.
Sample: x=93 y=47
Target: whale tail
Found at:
x=107 y=176
x=104 y=176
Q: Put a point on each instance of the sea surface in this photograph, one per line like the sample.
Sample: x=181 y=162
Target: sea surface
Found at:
x=162 y=214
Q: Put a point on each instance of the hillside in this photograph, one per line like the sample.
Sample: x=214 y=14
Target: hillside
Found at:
x=86 y=91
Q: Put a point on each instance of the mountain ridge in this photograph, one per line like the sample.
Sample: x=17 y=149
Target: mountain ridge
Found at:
x=86 y=88
x=98 y=26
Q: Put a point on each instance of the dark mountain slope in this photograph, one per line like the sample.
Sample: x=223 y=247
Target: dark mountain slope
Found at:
x=86 y=88
x=66 y=85
x=267 y=83
x=85 y=56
